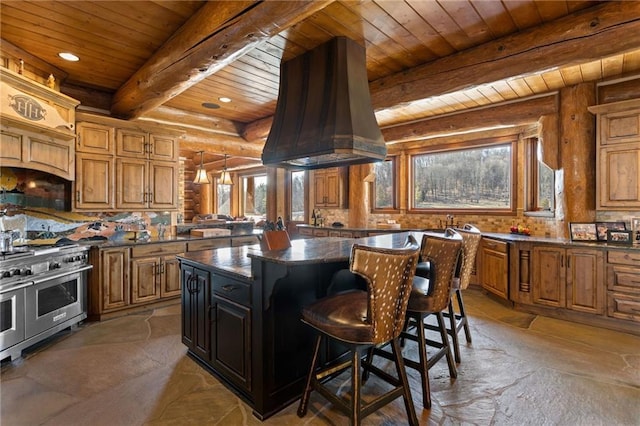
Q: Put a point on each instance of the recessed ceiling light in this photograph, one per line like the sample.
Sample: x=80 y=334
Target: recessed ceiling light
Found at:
x=224 y=99
x=210 y=105
x=68 y=56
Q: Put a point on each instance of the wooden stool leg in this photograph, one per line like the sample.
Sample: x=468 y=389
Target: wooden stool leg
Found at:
x=304 y=400
x=402 y=374
x=424 y=369
x=453 y=328
x=356 y=404
x=463 y=315
x=445 y=341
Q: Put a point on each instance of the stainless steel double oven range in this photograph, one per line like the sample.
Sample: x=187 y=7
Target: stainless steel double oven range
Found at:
x=42 y=291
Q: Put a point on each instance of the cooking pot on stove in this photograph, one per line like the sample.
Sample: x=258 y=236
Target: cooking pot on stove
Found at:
x=6 y=241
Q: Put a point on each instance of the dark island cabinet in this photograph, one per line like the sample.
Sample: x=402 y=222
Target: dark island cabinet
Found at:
x=231 y=330
x=196 y=307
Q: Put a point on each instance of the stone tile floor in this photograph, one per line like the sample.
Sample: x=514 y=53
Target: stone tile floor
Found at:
x=521 y=369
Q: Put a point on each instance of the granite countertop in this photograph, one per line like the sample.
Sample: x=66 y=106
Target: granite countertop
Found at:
x=347 y=228
x=564 y=241
x=155 y=240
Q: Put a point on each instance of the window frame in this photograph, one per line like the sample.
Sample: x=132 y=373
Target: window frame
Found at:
x=395 y=171
x=241 y=190
x=288 y=187
x=511 y=140
x=532 y=184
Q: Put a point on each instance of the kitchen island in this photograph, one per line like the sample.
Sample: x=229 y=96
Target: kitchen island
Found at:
x=241 y=313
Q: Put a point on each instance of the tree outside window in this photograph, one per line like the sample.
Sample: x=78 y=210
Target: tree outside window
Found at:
x=254 y=196
x=297 y=196
x=479 y=178
x=384 y=193
x=540 y=181
x=223 y=199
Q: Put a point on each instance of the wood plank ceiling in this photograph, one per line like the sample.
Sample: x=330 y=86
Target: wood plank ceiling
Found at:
x=187 y=53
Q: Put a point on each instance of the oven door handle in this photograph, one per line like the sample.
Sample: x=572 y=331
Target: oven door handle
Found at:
x=18 y=287
x=61 y=274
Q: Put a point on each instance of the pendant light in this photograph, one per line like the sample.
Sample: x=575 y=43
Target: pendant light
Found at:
x=201 y=176
x=225 y=177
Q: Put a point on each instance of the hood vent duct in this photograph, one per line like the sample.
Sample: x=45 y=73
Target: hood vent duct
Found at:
x=324 y=116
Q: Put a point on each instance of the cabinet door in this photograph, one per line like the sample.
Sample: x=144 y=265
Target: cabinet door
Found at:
x=114 y=268
x=231 y=341
x=196 y=323
x=145 y=279
x=170 y=276
x=319 y=182
x=619 y=177
x=163 y=185
x=495 y=267
x=131 y=143
x=94 y=182
x=132 y=177
x=549 y=276
x=94 y=138
x=332 y=189
x=164 y=148
x=585 y=281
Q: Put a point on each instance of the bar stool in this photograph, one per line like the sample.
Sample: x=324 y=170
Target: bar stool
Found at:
x=360 y=320
x=431 y=296
x=471 y=237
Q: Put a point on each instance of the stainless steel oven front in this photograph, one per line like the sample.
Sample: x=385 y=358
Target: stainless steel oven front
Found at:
x=12 y=328
x=54 y=300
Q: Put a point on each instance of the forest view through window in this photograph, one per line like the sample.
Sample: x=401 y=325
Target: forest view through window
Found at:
x=297 y=196
x=475 y=178
x=254 y=196
x=384 y=195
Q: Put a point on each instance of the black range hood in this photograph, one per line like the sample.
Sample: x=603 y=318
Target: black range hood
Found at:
x=324 y=116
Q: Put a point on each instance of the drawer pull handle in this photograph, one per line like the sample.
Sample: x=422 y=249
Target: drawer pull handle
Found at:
x=490 y=245
x=229 y=287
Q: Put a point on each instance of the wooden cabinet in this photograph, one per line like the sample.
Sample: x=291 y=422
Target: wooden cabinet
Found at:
x=142 y=166
x=208 y=244
x=143 y=184
x=94 y=138
x=568 y=278
x=37 y=126
x=331 y=187
x=494 y=260
x=618 y=155
x=95 y=178
x=155 y=271
x=109 y=288
x=623 y=284
x=231 y=329
x=196 y=303
x=141 y=144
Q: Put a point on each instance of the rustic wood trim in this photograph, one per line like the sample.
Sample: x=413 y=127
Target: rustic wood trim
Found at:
x=608 y=29
x=192 y=54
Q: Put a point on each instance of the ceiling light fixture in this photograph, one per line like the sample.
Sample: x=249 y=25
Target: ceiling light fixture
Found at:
x=201 y=175
x=225 y=177
x=224 y=99
x=67 y=56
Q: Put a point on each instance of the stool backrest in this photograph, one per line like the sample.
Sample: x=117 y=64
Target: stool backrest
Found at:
x=471 y=237
x=389 y=276
x=443 y=253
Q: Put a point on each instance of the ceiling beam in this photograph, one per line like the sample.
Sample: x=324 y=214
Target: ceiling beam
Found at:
x=608 y=29
x=204 y=45
x=597 y=32
x=191 y=120
x=514 y=113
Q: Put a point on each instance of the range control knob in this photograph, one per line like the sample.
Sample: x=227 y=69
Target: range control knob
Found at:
x=27 y=271
x=6 y=274
x=55 y=265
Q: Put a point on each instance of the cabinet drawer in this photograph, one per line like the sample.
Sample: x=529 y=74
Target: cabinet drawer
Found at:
x=305 y=231
x=623 y=278
x=623 y=306
x=320 y=233
x=208 y=244
x=231 y=289
x=499 y=246
x=157 y=249
x=624 y=257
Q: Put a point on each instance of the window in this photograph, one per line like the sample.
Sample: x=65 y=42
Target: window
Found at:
x=297 y=196
x=384 y=185
x=540 y=181
x=479 y=178
x=254 y=196
x=223 y=199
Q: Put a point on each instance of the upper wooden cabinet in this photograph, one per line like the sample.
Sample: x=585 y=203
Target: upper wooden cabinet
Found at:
x=140 y=144
x=331 y=187
x=94 y=138
x=618 y=155
x=138 y=166
x=38 y=126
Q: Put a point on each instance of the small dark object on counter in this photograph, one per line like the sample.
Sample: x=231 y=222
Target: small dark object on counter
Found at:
x=337 y=224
